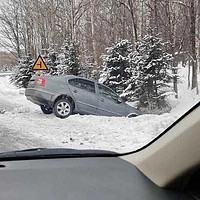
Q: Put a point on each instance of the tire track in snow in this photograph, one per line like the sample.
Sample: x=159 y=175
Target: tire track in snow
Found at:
x=12 y=140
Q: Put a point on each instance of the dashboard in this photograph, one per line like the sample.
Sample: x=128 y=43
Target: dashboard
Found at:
x=92 y=178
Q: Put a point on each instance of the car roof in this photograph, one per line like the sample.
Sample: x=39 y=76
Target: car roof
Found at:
x=73 y=76
x=67 y=77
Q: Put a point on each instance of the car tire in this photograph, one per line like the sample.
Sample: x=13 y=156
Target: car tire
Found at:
x=46 y=109
x=62 y=108
x=132 y=115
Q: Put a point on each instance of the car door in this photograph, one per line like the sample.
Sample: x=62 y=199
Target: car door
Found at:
x=108 y=102
x=84 y=93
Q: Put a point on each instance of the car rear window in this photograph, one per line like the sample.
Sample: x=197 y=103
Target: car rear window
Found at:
x=83 y=84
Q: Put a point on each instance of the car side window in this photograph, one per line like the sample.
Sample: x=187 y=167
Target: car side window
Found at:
x=73 y=82
x=83 y=84
x=106 y=92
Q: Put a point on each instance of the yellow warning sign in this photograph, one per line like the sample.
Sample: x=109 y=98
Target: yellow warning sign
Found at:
x=39 y=64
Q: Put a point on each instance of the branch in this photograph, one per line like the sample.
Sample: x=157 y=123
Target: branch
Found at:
x=181 y=3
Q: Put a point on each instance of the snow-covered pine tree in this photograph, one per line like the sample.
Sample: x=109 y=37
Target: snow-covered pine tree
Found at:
x=87 y=66
x=51 y=60
x=95 y=74
x=115 y=63
x=89 y=69
x=23 y=72
x=151 y=73
x=134 y=83
x=69 y=60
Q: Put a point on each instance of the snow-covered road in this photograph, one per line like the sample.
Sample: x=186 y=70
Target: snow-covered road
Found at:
x=12 y=140
x=23 y=126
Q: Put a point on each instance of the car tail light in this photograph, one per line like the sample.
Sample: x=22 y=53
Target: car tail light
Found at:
x=41 y=81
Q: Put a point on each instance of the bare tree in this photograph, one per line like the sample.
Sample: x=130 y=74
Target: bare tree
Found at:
x=193 y=44
x=29 y=26
x=10 y=22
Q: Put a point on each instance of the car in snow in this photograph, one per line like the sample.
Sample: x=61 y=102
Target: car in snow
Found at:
x=64 y=95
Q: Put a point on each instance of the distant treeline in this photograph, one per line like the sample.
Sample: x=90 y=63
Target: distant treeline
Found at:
x=7 y=61
x=30 y=26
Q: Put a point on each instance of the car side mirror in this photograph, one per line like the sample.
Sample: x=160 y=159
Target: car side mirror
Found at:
x=117 y=99
x=120 y=100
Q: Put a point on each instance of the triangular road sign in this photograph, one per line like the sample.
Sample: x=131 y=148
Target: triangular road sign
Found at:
x=39 y=64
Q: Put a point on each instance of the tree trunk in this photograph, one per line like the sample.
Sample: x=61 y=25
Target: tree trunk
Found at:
x=132 y=11
x=193 y=44
x=73 y=31
x=189 y=72
x=198 y=34
x=169 y=11
x=17 y=38
x=94 y=43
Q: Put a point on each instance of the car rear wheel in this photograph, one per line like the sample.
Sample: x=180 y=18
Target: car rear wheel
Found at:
x=132 y=115
x=46 y=109
x=62 y=108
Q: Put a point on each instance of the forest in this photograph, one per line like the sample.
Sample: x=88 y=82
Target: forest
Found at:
x=134 y=46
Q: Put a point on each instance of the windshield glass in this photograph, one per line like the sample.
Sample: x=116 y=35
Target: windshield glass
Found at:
x=105 y=75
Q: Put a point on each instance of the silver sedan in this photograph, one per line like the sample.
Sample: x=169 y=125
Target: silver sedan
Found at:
x=64 y=95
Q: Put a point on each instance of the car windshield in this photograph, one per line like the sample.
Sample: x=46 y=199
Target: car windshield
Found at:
x=98 y=75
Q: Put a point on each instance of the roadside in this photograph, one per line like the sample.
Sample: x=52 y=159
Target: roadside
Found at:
x=13 y=140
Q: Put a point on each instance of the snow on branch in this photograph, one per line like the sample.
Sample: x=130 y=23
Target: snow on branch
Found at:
x=181 y=3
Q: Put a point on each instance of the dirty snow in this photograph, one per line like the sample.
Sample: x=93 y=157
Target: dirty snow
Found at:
x=23 y=125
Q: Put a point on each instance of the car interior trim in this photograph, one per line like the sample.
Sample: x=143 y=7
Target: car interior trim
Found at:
x=175 y=153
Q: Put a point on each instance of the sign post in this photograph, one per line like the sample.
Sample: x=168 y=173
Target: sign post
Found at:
x=39 y=65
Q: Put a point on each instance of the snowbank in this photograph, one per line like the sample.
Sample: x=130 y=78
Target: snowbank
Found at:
x=186 y=98
x=12 y=97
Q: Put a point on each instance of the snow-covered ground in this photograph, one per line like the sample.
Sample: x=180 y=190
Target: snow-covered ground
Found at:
x=23 y=125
